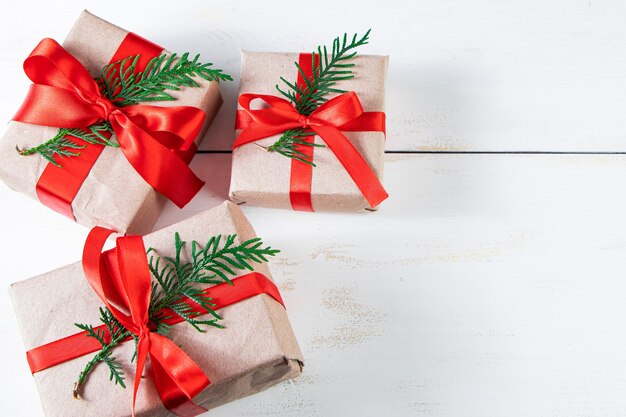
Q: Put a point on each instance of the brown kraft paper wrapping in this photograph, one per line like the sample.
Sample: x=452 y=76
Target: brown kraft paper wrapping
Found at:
x=262 y=178
x=113 y=194
x=256 y=350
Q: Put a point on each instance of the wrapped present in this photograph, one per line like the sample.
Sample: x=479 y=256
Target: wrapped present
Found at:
x=109 y=126
x=212 y=329
x=311 y=136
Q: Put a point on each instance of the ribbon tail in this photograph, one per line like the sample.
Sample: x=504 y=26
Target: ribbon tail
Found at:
x=177 y=377
x=301 y=177
x=143 y=348
x=360 y=172
x=182 y=406
x=159 y=166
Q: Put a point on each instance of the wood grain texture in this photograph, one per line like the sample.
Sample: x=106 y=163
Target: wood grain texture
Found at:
x=487 y=285
x=484 y=75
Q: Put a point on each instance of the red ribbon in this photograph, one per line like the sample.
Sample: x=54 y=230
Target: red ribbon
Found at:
x=342 y=113
x=127 y=296
x=301 y=177
x=65 y=95
x=121 y=278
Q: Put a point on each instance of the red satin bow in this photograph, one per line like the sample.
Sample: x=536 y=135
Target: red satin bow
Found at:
x=122 y=280
x=340 y=113
x=64 y=95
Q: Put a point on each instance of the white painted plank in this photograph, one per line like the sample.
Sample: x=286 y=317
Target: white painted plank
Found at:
x=487 y=285
x=484 y=75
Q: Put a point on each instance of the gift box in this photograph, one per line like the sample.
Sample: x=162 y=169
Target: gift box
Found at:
x=112 y=193
x=269 y=179
x=255 y=350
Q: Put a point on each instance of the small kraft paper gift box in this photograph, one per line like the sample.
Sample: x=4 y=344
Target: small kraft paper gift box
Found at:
x=311 y=136
x=109 y=126
x=211 y=329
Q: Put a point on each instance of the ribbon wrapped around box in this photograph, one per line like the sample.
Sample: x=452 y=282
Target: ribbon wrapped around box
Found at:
x=123 y=188
x=255 y=350
x=351 y=126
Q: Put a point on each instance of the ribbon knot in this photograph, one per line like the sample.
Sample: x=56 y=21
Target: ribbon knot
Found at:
x=64 y=95
x=107 y=107
x=145 y=331
x=122 y=280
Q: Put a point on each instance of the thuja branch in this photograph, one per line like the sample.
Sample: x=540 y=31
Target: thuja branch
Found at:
x=124 y=85
x=209 y=265
x=307 y=97
x=175 y=279
x=289 y=145
x=64 y=145
x=117 y=333
x=326 y=74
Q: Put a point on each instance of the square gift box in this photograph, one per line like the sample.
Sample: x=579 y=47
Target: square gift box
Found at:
x=255 y=350
x=113 y=194
x=267 y=178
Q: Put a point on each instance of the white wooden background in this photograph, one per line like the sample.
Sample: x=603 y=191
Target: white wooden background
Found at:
x=492 y=282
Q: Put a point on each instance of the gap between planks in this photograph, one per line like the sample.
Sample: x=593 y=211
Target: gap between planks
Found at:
x=466 y=152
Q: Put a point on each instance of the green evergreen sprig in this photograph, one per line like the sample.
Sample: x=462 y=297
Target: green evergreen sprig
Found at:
x=288 y=144
x=63 y=145
x=121 y=84
x=164 y=73
x=331 y=69
x=105 y=355
x=174 y=280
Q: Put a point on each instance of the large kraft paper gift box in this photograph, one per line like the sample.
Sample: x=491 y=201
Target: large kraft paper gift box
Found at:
x=264 y=178
x=255 y=350
x=113 y=194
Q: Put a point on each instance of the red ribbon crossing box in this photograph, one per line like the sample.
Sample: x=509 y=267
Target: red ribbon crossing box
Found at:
x=351 y=126
x=122 y=188
x=186 y=372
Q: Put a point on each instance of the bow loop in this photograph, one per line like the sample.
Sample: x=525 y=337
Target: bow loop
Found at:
x=339 y=110
x=135 y=277
x=50 y=64
x=278 y=104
